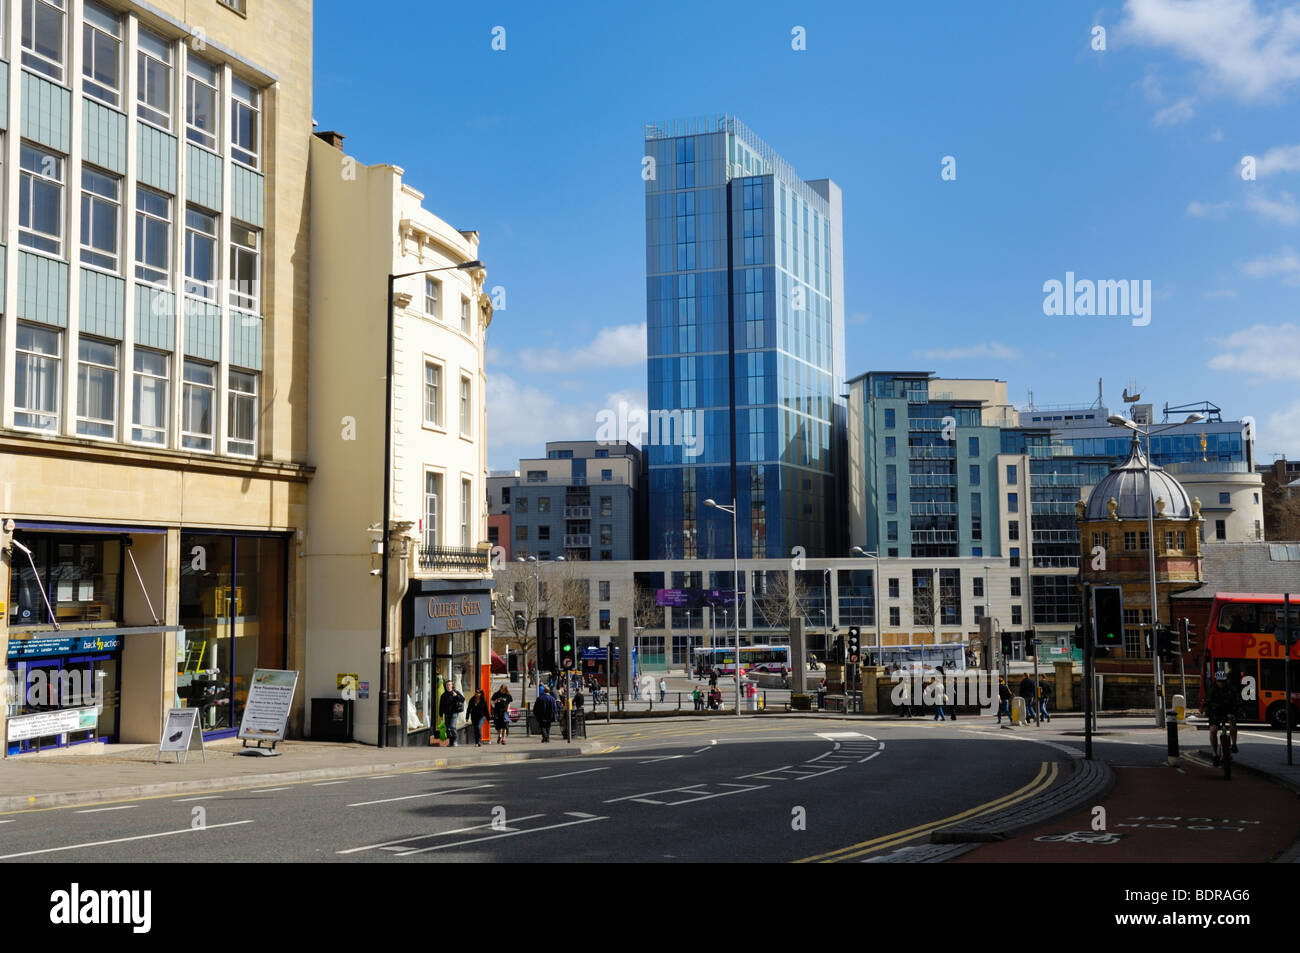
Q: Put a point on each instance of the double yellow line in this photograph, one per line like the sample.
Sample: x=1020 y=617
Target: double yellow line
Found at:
x=1047 y=774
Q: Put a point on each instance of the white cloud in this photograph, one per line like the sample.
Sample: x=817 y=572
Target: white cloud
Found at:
x=1283 y=210
x=522 y=417
x=620 y=346
x=1248 y=51
x=1277 y=159
x=1264 y=350
x=1285 y=263
x=1179 y=112
x=1205 y=209
x=994 y=349
x=1280 y=433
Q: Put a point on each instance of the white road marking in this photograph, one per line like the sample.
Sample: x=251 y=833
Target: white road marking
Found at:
x=412 y=797
x=97 y=810
x=266 y=790
x=820 y=773
x=693 y=789
x=6 y=822
x=205 y=797
x=579 y=814
x=759 y=774
x=667 y=757
x=459 y=830
x=379 y=777
x=479 y=840
x=868 y=758
x=321 y=784
x=569 y=774
x=835 y=735
x=121 y=840
x=632 y=797
x=702 y=750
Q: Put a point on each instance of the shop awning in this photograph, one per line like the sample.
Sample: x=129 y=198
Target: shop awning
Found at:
x=32 y=525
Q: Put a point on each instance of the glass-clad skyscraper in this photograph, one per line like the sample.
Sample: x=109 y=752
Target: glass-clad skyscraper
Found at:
x=745 y=328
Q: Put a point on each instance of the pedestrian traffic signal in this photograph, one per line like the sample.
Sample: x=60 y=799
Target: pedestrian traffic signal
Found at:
x=1108 y=616
x=855 y=634
x=568 y=643
x=1006 y=645
x=545 y=644
x=1029 y=644
x=1189 y=636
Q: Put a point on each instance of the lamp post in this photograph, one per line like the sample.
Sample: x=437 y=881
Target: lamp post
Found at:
x=1116 y=420
x=735 y=581
x=390 y=321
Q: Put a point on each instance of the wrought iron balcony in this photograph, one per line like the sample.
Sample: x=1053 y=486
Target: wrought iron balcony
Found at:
x=454 y=559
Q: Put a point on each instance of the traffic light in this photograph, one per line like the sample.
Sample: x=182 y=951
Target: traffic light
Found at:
x=1108 y=616
x=838 y=649
x=545 y=644
x=568 y=643
x=1167 y=644
x=1189 y=636
x=1078 y=636
x=521 y=622
x=1030 y=647
x=855 y=634
x=1006 y=645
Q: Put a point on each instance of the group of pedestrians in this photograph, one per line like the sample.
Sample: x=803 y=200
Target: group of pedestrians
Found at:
x=934 y=692
x=712 y=700
x=1036 y=698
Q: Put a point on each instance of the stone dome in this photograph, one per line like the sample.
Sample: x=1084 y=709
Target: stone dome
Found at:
x=1126 y=484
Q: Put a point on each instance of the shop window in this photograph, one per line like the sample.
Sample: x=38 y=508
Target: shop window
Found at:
x=80 y=576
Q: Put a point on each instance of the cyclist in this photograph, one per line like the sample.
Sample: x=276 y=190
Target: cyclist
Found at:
x=1221 y=712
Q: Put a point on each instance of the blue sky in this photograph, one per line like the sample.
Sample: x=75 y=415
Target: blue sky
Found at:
x=1115 y=164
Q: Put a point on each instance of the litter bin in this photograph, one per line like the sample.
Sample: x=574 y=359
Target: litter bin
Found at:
x=331 y=719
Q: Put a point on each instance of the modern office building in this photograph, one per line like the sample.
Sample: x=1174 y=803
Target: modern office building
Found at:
x=583 y=501
x=367 y=223
x=745 y=339
x=153 y=424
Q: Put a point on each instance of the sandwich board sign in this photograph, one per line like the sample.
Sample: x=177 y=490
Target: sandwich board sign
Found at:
x=180 y=733
x=270 y=696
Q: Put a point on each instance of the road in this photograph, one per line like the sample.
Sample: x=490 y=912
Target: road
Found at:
x=768 y=789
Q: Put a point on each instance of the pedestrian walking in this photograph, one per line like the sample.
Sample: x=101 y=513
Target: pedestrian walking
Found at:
x=478 y=712
x=940 y=699
x=663 y=690
x=1004 y=700
x=501 y=700
x=450 y=706
x=544 y=711
x=1044 y=696
x=1029 y=693
x=904 y=699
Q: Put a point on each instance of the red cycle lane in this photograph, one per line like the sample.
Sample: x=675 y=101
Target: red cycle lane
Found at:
x=1163 y=815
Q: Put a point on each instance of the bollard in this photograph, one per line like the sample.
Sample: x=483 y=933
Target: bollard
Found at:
x=1180 y=707
x=1171 y=725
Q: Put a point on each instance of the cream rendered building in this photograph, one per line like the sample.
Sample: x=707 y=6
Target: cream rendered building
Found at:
x=153 y=427
x=367 y=224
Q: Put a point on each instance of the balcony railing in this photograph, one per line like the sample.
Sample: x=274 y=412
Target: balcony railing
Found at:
x=454 y=559
x=577 y=512
x=577 y=541
x=932 y=479
x=934 y=536
x=932 y=453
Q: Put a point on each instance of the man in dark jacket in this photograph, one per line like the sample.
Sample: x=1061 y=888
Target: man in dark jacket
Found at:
x=1029 y=693
x=1004 y=700
x=450 y=706
x=544 y=711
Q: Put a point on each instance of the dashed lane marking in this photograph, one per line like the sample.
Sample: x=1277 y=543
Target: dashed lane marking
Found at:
x=121 y=840
x=412 y=797
x=569 y=774
x=100 y=810
x=393 y=844
x=585 y=819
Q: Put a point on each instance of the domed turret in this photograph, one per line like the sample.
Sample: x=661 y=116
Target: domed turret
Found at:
x=1126 y=487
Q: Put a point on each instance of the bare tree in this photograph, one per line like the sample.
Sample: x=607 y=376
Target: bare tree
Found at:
x=528 y=591
x=646 y=611
x=780 y=600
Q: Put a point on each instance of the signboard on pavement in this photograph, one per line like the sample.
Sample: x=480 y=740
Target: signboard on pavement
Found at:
x=180 y=732
x=270 y=695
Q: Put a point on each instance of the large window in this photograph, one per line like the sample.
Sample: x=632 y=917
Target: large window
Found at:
x=154 y=80
x=433 y=297
x=245 y=122
x=466 y=508
x=245 y=268
x=200 y=254
x=151 y=387
x=241 y=414
x=198 y=417
x=153 y=236
x=465 y=407
x=37 y=378
x=43 y=37
x=201 y=84
x=101 y=44
x=40 y=200
x=96 y=388
x=81 y=576
x=433 y=394
x=101 y=210
x=432 y=498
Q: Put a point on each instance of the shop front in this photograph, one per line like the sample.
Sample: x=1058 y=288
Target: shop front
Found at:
x=446 y=626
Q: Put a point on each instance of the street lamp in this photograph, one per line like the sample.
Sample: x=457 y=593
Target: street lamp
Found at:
x=390 y=321
x=875 y=597
x=735 y=581
x=1118 y=421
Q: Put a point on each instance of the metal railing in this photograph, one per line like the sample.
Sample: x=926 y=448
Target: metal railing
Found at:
x=577 y=512
x=454 y=559
x=577 y=540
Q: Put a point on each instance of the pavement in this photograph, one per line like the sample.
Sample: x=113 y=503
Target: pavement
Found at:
x=129 y=771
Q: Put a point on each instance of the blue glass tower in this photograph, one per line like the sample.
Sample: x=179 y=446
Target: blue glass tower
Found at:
x=745 y=328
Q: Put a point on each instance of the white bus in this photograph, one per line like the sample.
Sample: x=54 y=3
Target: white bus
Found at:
x=753 y=658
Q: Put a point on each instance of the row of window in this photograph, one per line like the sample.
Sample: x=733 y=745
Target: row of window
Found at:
x=606 y=505
x=544 y=534
x=42 y=226
x=44 y=50
x=38 y=394
x=433 y=305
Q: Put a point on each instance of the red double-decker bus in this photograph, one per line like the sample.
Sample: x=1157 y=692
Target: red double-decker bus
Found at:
x=1241 y=642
